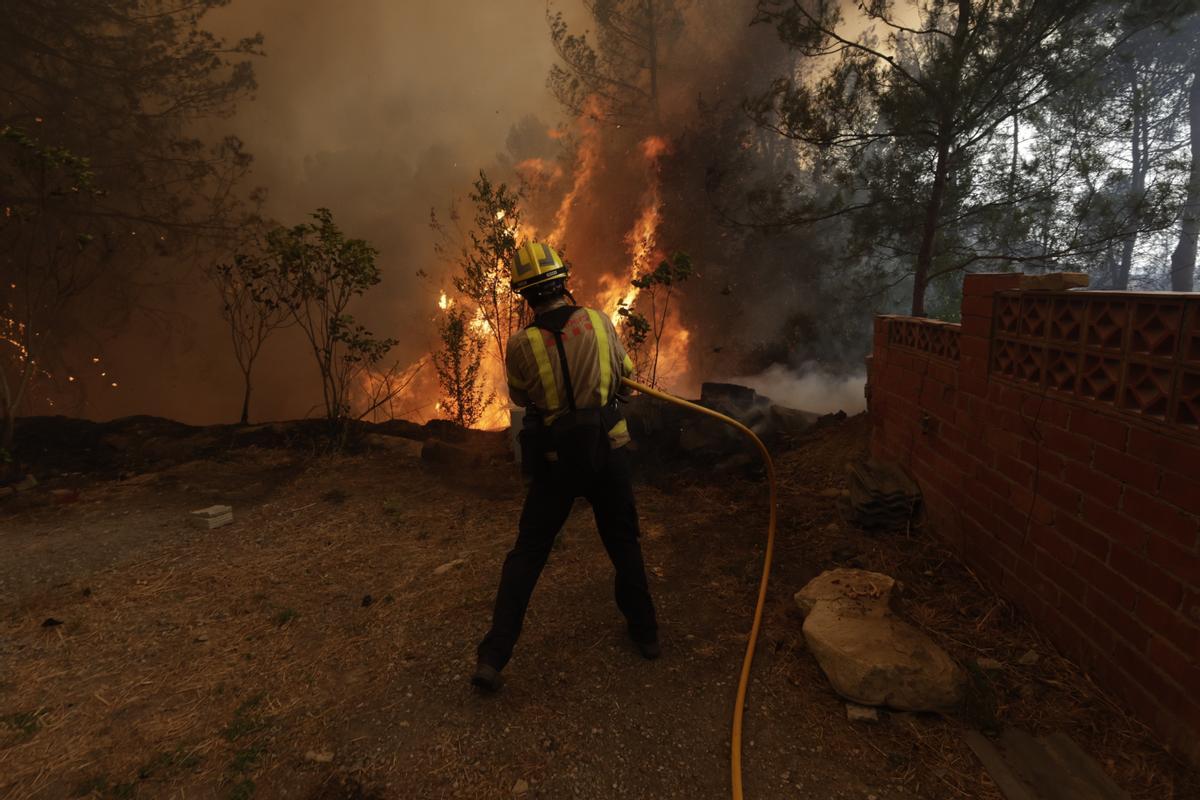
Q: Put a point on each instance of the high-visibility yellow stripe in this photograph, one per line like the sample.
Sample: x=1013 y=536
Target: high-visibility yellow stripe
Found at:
x=603 y=353
x=620 y=429
x=628 y=363
x=544 y=369
x=516 y=381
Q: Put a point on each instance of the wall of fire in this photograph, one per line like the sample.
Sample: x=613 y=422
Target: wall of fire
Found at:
x=1056 y=439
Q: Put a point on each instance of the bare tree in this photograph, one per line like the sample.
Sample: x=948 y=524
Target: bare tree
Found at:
x=253 y=310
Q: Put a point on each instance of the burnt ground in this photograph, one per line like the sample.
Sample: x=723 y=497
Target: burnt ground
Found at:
x=249 y=661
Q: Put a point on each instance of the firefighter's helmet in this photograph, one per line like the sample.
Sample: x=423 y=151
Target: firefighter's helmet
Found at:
x=536 y=264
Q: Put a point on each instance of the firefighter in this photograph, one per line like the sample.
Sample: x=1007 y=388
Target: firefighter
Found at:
x=565 y=369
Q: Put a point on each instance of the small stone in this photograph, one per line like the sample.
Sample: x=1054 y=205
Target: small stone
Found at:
x=367 y=600
x=51 y=622
x=202 y=637
x=520 y=787
x=1029 y=659
x=857 y=713
x=989 y=665
x=449 y=565
x=319 y=756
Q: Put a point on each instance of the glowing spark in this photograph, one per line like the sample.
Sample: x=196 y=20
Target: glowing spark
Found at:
x=444 y=302
x=95 y=359
x=114 y=384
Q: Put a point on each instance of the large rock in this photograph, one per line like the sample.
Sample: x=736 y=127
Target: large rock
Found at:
x=871 y=656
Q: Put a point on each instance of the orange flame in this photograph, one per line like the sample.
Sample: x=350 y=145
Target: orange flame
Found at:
x=589 y=159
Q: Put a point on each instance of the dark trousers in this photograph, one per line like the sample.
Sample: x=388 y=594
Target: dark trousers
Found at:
x=546 y=509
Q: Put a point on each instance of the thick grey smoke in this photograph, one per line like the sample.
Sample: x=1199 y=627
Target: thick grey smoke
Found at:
x=810 y=387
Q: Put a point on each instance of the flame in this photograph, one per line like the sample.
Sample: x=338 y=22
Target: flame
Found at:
x=444 y=302
x=642 y=239
x=589 y=159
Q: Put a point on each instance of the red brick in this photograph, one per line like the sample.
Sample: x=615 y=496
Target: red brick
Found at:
x=1071 y=445
x=1126 y=468
x=974 y=347
x=943 y=372
x=1038 y=414
x=976 y=306
x=1120 y=620
x=1017 y=471
x=1183 y=563
x=1106 y=430
x=977 y=325
x=1084 y=537
x=1114 y=586
x=1181 y=491
x=1135 y=664
x=1060 y=574
x=1030 y=506
x=972 y=374
x=1048 y=539
x=1003 y=441
x=1179 y=526
x=1168 y=623
x=1184 y=670
x=1175 y=454
x=1116 y=526
x=1098 y=634
x=1146 y=574
x=1095 y=485
x=1058 y=493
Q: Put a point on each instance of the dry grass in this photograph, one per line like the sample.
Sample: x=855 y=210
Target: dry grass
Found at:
x=211 y=667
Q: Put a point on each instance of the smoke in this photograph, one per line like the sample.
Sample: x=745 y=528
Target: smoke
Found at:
x=381 y=110
x=810 y=387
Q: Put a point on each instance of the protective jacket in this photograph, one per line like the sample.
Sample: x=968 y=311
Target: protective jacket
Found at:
x=595 y=358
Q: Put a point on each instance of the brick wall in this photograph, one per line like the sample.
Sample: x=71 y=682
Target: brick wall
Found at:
x=1056 y=439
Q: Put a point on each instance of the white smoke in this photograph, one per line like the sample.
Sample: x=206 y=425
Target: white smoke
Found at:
x=810 y=387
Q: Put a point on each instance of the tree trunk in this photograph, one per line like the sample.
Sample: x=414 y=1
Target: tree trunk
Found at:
x=945 y=138
x=652 y=41
x=246 y=402
x=1183 y=260
x=1137 y=178
x=933 y=209
x=1012 y=171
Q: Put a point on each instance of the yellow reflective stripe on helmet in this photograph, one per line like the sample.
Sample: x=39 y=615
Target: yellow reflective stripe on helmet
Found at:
x=544 y=369
x=603 y=353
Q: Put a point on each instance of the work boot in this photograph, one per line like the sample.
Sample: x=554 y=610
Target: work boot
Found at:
x=649 y=650
x=486 y=678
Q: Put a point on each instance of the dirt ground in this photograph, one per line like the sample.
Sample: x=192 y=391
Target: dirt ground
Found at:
x=319 y=647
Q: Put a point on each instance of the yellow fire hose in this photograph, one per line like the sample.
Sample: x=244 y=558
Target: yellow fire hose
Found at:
x=735 y=754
